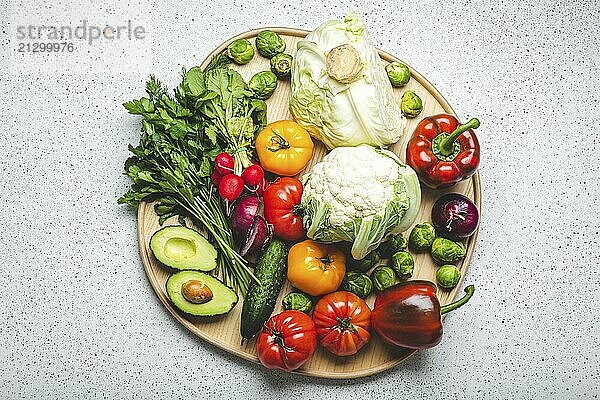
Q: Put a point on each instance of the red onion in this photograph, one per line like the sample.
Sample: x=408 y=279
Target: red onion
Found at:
x=250 y=229
x=242 y=216
x=454 y=216
x=259 y=236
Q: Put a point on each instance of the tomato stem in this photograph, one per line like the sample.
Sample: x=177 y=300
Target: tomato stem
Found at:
x=345 y=324
x=298 y=210
x=278 y=142
x=278 y=339
x=326 y=261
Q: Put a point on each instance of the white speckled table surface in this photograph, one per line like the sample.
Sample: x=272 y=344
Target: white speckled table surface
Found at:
x=78 y=316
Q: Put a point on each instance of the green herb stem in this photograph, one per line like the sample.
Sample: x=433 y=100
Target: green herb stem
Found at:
x=211 y=111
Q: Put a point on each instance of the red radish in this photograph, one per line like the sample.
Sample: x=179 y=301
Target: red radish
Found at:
x=216 y=177
x=260 y=190
x=253 y=175
x=231 y=187
x=224 y=163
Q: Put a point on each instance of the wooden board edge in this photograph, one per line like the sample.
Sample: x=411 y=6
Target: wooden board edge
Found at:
x=225 y=346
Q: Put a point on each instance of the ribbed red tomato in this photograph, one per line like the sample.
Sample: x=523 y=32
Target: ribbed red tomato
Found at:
x=282 y=208
x=287 y=341
x=342 y=320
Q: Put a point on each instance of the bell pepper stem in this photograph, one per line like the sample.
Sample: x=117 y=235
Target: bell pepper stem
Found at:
x=446 y=146
x=469 y=290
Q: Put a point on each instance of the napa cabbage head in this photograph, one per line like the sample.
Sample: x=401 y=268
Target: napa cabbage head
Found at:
x=344 y=114
x=360 y=195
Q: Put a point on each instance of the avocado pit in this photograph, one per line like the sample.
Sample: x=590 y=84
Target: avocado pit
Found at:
x=199 y=294
x=196 y=292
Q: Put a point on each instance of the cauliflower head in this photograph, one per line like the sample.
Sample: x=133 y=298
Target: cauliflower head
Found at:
x=360 y=195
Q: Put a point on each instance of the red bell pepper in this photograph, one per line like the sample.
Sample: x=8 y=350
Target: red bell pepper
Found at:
x=282 y=208
x=442 y=151
x=409 y=314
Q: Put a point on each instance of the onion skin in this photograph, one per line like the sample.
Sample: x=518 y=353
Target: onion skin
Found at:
x=258 y=237
x=454 y=216
x=242 y=216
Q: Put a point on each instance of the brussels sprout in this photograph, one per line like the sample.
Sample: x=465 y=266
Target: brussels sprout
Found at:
x=268 y=43
x=370 y=260
x=445 y=250
x=297 y=301
x=240 y=51
x=403 y=264
x=281 y=65
x=411 y=104
x=422 y=237
x=398 y=73
x=447 y=276
x=383 y=277
x=358 y=283
x=394 y=244
x=263 y=84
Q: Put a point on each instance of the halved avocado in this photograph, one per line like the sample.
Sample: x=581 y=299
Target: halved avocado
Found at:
x=183 y=248
x=197 y=293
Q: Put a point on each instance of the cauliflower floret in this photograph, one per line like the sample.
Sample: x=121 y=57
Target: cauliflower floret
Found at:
x=351 y=186
x=355 y=181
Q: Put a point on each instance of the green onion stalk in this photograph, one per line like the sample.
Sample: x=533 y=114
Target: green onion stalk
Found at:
x=194 y=194
x=208 y=211
x=172 y=164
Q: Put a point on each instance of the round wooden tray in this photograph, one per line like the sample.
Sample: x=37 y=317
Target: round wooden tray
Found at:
x=224 y=331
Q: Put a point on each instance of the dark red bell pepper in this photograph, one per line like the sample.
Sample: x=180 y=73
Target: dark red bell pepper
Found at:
x=442 y=151
x=409 y=314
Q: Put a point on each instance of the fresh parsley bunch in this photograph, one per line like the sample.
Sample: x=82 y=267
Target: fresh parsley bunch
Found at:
x=212 y=110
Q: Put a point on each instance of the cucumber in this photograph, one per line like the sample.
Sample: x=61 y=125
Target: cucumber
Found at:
x=261 y=297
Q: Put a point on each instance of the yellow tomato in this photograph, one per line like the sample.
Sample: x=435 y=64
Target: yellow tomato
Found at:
x=284 y=148
x=315 y=268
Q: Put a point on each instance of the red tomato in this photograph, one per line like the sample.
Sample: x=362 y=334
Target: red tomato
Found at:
x=342 y=320
x=287 y=341
x=282 y=200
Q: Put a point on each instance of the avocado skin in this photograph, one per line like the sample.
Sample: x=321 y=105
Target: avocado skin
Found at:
x=224 y=298
x=205 y=258
x=261 y=297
